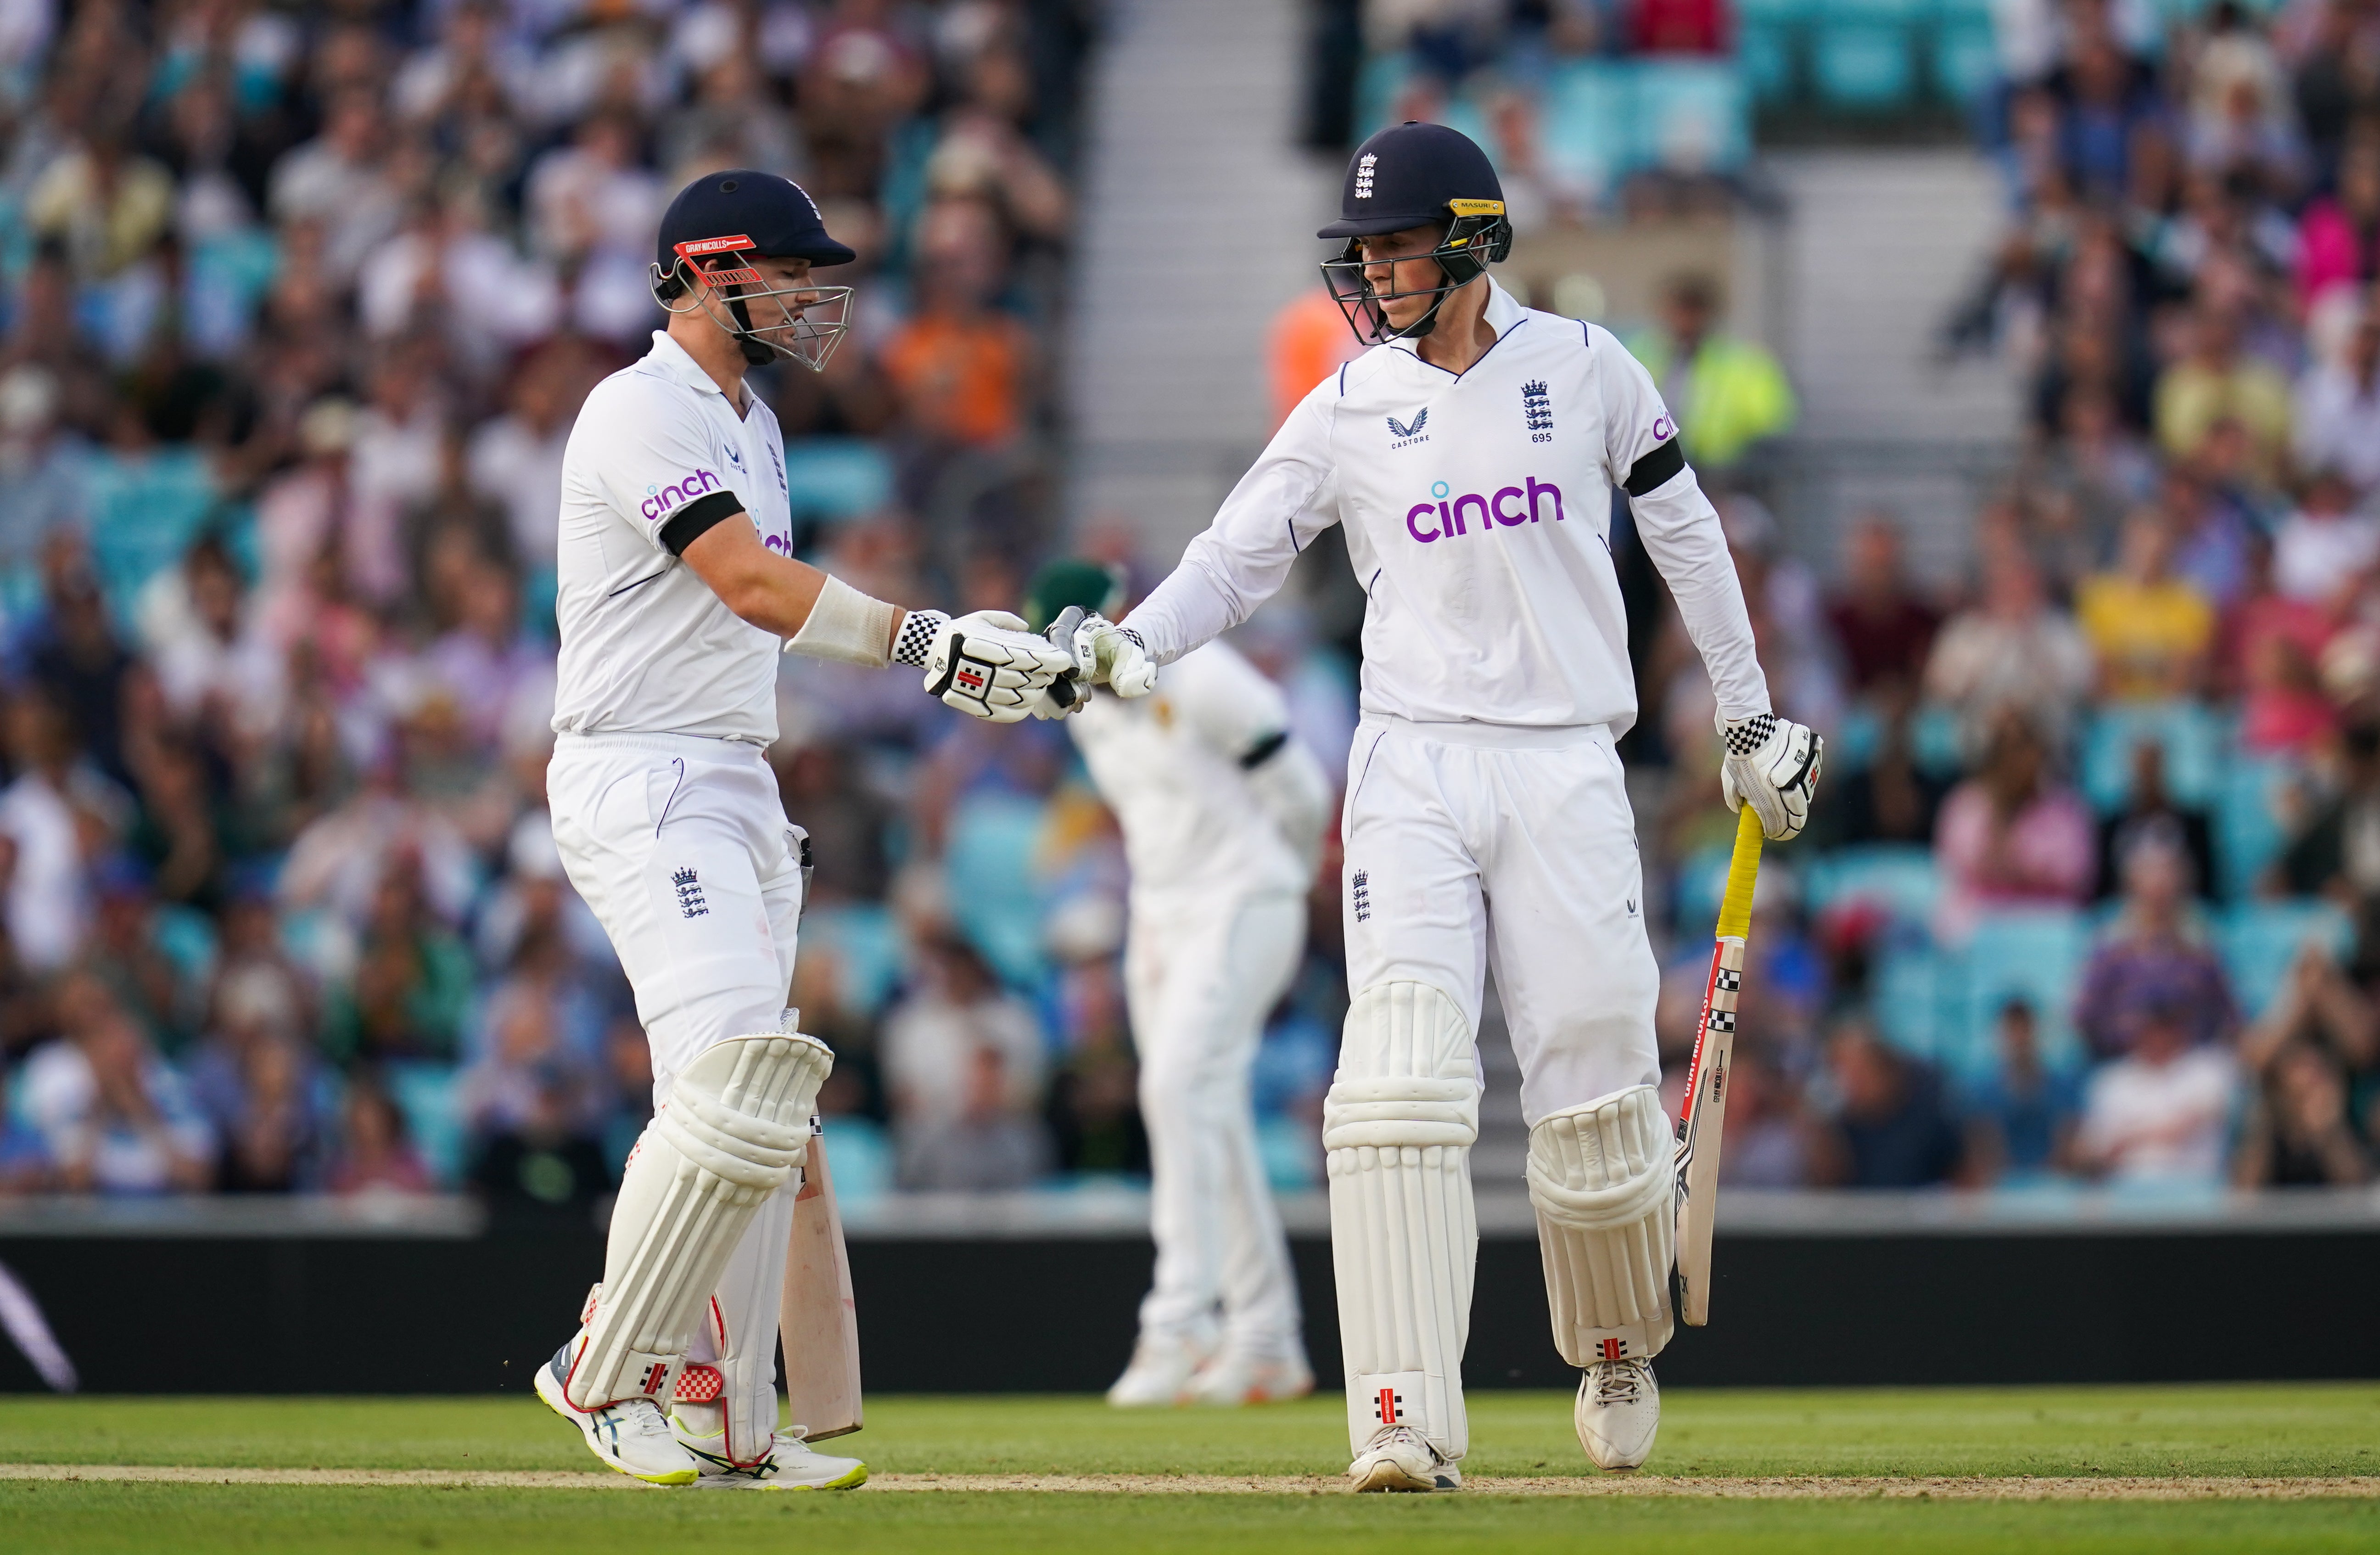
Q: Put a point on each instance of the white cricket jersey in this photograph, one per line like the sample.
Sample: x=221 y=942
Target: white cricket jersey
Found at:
x=647 y=648
x=1168 y=765
x=1477 y=513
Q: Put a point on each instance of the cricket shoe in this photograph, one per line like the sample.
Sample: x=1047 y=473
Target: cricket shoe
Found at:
x=1618 y=1412
x=1160 y=1373
x=629 y=1435
x=1401 y=1459
x=789 y=1465
x=1234 y=1376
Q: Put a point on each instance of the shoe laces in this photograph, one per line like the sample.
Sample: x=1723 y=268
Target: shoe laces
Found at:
x=1403 y=1436
x=641 y=1417
x=1621 y=1381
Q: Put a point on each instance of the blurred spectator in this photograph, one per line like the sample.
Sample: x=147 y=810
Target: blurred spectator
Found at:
x=2009 y=837
x=2150 y=959
x=1890 y=1127
x=2151 y=813
x=1767 y=1143
x=531 y=1105
x=2298 y=1133
x=2150 y=631
x=963 y=1063
x=2021 y=1118
x=2319 y=1009
x=1093 y=1112
x=1892 y=799
x=48 y=906
x=2013 y=648
x=2338 y=408
x=2336 y=852
x=374 y=1155
x=1727 y=393
x=2157 y=1116
x=2325 y=548
x=2338 y=237
x=412 y=980
x=1883 y=628
x=2213 y=382
x=113 y=1117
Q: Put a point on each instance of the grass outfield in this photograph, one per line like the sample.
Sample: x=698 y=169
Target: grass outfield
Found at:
x=1727 y=1437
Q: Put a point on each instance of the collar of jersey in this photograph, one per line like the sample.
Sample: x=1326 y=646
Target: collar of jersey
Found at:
x=670 y=360
x=1502 y=314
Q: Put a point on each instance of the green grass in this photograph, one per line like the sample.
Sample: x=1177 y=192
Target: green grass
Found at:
x=109 y=1518
x=2293 y=1430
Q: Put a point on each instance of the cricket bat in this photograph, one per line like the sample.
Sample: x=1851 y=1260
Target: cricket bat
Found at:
x=1700 y=1130
x=817 y=1323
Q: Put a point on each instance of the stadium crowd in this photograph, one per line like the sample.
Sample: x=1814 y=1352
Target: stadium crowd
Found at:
x=296 y=305
x=2092 y=885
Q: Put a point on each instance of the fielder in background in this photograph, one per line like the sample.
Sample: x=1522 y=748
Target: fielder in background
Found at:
x=1222 y=815
x=677 y=589
x=1470 y=454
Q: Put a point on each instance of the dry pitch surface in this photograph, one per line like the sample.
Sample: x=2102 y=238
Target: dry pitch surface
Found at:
x=2294 y=1467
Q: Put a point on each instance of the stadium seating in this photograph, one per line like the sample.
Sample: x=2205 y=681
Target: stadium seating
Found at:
x=1863 y=52
x=1901 y=877
x=1964 y=52
x=995 y=896
x=836 y=477
x=2259 y=940
x=2196 y=741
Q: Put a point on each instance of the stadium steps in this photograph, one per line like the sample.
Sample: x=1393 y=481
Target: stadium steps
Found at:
x=1198 y=215
x=1879 y=247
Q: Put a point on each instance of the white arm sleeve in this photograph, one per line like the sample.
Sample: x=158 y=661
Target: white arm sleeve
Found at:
x=1679 y=527
x=1287 y=497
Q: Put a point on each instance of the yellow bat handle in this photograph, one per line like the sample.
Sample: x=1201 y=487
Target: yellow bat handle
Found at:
x=1742 y=871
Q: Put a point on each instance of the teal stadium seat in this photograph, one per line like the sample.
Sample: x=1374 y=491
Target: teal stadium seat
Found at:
x=1913 y=995
x=2249 y=832
x=995 y=892
x=1965 y=50
x=2196 y=742
x=1693 y=115
x=1901 y=878
x=1702 y=880
x=2037 y=955
x=1376 y=85
x=428 y=1094
x=2258 y=940
x=836 y=477
x=1771 y=35
x=1864 y=53
x=868 y=949
x=1586 y=123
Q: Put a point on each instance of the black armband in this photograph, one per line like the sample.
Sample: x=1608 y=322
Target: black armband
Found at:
x=1263 y=750
x=694 y=520
x=1655 y=469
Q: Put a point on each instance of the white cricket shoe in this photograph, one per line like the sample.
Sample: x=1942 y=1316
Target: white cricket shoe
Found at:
x=1619 y=1413
x=1160 y=1373
x=1401 y=1459
x=1234 y=1376
x=789 y=1465
x=629 y=1436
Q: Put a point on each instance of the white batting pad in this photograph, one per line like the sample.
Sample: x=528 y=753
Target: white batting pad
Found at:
x=1397 y=1125
x=731 y=1135
x=1603 y=1177
x=740 y=1340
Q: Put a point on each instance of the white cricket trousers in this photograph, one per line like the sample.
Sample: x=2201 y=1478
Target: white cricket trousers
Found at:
x=1200 y=984
x=1472 y=847
x=681 y=845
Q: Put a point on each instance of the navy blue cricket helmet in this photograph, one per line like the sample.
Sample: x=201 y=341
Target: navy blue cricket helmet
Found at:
x=721 y=221
x=1415 y=174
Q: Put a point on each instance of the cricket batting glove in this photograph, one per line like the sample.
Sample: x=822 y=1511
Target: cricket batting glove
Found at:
x=1772 y=765
x=986 y=664
x=1114 y=657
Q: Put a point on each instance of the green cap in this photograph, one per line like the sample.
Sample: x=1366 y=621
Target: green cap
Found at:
x=1095 y=586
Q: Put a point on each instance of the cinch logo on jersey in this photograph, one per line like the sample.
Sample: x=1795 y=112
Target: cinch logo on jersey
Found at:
x=1510 y=505
x=666 y=500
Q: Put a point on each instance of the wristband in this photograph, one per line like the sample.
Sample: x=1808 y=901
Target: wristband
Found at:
x=844 y=626
x=917 y=634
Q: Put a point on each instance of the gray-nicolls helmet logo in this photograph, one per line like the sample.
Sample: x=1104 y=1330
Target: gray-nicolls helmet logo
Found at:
x=1411 y=175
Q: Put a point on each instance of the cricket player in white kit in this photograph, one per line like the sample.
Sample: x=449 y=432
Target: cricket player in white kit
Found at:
x=1222 y=813
x=1470 y=457
x=677 y=589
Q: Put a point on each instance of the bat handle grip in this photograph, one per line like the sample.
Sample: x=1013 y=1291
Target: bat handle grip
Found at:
x=1742 y=873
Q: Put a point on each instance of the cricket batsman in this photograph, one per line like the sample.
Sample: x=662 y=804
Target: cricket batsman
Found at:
x=677 y=589
x=1222 y=815
x=1470 y=454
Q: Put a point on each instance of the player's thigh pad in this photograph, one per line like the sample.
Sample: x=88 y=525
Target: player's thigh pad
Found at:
x=1397 y=1125
x=1603 y=1179
x=732 y=1132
